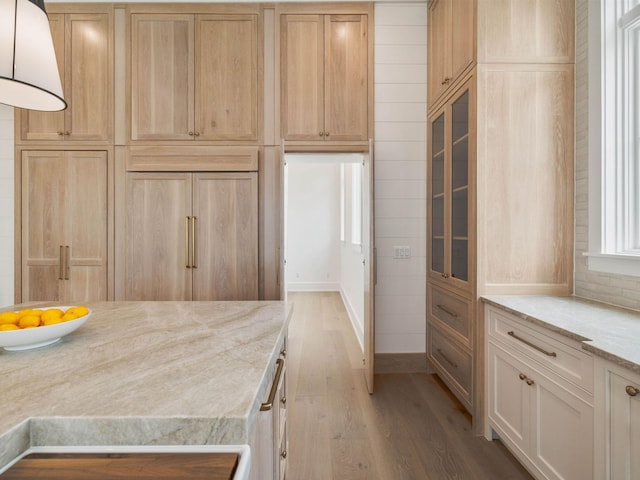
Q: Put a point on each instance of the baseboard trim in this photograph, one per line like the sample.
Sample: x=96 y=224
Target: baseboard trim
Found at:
x=313 y=287
x=400 y=363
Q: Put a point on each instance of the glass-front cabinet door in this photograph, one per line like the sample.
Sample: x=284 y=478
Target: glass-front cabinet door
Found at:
x=449 y=195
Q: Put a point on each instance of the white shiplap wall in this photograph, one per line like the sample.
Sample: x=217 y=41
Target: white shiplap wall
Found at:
x=6 y=205
x=400 y=171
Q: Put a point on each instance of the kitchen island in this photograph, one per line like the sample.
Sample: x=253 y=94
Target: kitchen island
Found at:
x=145 y=373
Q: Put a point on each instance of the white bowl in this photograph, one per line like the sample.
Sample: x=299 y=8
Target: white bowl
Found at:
x=40 y=336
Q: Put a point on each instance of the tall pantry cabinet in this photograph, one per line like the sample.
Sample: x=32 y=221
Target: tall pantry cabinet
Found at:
x=64 y=169
x=500 y=170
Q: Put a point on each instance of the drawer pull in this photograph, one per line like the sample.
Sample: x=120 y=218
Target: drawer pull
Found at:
x=526 y=342
x=268 y=405
x=284 y=454
x=632 y=391
x=447 y=311
x=522 y=376
x=283 y=400
x=530 y=382
x=453 y=364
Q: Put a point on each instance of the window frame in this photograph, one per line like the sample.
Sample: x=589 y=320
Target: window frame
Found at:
x=614 y=165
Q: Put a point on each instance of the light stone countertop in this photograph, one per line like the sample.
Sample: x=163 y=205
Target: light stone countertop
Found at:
x=604 y=330
x=144 y=373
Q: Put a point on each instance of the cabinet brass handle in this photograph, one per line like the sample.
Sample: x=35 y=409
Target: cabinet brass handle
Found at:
x=445 y=275
x=522 y=376
x=445 y=81
x=283 y=400
x=530 y=382
x=453 y=364
x=60 y=134
x=326 y=134
x=191 y=134
x=194 y=263
x=447 y=311
x=284 y=454
x=283 y=352
x=186 y=242
x=632 y=391
x=268 y=405
x=197 y=134
x=67 y=250
x=60 y=267
x=321 y=134
x=532 y=345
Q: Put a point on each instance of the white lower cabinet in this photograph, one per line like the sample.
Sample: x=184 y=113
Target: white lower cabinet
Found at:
x=269 y=440
x=534 y=405
x=617 y=422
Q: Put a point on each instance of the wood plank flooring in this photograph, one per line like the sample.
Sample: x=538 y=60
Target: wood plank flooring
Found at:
x=410 y=428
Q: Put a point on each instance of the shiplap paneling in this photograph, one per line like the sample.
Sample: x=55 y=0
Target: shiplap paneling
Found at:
x=400 y=174
x=6 y=205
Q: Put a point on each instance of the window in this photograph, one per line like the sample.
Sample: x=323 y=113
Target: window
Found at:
x=614 y=168
x=342 y=205
x=356 y=203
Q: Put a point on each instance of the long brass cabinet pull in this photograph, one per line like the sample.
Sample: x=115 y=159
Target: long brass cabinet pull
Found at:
x=67 y=250
x=632 y=391
x=268 y=405
x=194 y=263
x=447 y=311
x=186 y=242
x=532 y=345
x=60 y=264
x=453 y=364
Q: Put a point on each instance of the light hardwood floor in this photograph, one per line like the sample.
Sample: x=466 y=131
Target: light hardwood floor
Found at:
x=410 y=428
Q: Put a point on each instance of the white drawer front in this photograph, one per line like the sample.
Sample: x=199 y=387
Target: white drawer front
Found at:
x=569 y=362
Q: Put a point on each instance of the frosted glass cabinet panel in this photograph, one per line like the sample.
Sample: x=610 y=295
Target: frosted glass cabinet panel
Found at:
x=449 y=197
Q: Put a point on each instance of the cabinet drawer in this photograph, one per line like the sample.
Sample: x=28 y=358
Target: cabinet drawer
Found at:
x=452 y=311
x=452 y=361
x=568 y=362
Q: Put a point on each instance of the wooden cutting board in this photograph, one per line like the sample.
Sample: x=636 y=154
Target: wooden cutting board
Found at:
x=124 y=466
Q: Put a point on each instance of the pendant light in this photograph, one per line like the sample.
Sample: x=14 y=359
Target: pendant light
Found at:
x=29 y=75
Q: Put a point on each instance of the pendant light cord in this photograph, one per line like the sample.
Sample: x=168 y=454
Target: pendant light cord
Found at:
x=15 y=29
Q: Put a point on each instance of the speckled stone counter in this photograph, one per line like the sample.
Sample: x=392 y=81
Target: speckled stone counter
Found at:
x=604 y=330
x=144 y=373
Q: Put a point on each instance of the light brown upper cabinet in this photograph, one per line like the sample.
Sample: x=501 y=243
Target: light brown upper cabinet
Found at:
x=191 y=236
x=324 y=77
x=450 y=44
x=64 y=226
x=84 y=49
x=194 y=77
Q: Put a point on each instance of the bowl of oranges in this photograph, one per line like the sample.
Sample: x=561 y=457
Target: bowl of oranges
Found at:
x=37 y=327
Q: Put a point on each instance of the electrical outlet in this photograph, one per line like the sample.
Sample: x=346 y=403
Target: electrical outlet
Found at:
x=401 y=251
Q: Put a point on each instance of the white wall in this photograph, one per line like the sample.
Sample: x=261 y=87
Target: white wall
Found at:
x=400 y=175
x=6 y=206
x=313 y=226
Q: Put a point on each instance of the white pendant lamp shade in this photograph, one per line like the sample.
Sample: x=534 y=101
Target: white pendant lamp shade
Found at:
x=29 y=76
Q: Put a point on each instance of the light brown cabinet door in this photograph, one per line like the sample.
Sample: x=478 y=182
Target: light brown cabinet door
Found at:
x=162 y=96
x=36 y=125
x=83 y=49
x=194 y=77
x=226 y=79
x=324 y=77
x=451 y=44
x=302 y=77
x=64 y=226
x=345 y=85
x=157 y=236
x=226 y=236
